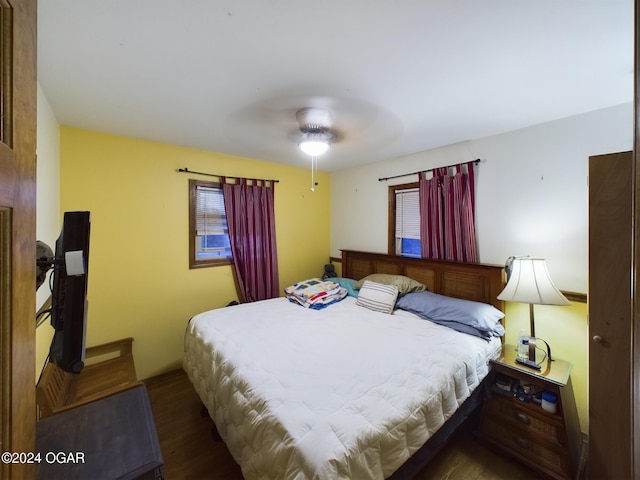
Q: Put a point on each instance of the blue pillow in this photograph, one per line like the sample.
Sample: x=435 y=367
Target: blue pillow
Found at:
x=348 y=284
x=451 y=311
x=461 y=327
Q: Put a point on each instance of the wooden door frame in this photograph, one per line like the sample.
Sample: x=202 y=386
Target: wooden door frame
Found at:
x=18 y=239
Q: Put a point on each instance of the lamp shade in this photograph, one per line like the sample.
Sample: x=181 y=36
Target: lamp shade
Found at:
x=313 y=147
x=530 y=283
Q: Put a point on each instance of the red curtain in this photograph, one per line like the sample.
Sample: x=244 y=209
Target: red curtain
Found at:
x=447 y=214
x=431 y=220
x=252 y=234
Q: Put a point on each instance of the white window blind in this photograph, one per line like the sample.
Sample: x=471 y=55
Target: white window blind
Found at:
x=408 y=214
x=210 y=214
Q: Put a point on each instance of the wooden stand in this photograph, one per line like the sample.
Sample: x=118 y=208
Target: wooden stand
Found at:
x=58 y=390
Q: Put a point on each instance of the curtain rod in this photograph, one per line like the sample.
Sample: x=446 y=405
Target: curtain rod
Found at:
x=476 y=161
x=186 y=170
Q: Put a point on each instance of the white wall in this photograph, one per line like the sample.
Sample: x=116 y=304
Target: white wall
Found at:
x=47 y=206
x=531 y=195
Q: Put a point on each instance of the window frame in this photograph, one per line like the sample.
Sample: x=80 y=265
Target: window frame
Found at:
x=391 y=228
x=193 y=261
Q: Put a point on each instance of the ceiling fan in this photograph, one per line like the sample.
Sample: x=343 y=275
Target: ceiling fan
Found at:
x=276 y=126
x=316 y=135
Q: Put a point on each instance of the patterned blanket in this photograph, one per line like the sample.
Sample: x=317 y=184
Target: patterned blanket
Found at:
x=315 y=293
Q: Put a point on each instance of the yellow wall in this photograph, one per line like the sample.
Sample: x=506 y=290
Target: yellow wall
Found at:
x=140 y=284
x=566 y=331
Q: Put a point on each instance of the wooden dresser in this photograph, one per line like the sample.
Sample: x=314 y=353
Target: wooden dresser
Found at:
x=514 y=422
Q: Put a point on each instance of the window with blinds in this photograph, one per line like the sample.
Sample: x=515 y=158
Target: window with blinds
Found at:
x=407 y=222
x=209 y=236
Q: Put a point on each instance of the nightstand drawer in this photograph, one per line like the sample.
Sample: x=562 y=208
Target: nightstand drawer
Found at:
x=553 y=460
x=526 y=421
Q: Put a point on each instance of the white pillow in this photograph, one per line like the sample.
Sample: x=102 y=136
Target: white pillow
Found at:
x=377 y=296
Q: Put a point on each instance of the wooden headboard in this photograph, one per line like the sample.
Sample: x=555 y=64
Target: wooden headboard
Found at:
x=471 y=281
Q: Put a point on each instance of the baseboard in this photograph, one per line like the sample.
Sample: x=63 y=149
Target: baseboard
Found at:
x=163 y=376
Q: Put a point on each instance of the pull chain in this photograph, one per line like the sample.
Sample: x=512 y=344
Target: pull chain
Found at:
x=314 y=169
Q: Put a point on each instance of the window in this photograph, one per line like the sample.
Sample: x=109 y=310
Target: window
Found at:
x=208 y=234
x=404 y=220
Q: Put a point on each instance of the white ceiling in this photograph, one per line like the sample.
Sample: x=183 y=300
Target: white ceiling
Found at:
x=399 y=76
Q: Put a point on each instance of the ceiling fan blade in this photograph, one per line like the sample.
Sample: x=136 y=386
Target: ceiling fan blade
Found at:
x=353 y=122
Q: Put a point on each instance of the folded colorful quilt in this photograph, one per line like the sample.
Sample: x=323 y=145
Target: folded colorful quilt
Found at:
x=315 y=293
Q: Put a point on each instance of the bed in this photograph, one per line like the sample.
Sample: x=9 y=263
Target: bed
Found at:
x=343 y=391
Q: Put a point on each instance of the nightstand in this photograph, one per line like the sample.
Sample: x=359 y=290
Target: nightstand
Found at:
x=514 y=422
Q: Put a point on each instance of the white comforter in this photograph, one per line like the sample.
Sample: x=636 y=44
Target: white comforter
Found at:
x=339 y=393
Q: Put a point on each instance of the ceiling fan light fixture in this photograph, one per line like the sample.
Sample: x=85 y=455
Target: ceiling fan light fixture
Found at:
x=315 y=127
x=314 y=147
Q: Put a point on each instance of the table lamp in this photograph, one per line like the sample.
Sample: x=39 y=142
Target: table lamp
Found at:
x=528 y=281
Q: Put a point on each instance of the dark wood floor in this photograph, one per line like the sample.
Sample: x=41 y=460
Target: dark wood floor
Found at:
x=190 y=452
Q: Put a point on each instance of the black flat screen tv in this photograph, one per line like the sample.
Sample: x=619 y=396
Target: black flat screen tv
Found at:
x=69 y=292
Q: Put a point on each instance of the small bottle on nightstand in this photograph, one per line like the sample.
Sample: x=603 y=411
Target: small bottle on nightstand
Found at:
x=523 y=345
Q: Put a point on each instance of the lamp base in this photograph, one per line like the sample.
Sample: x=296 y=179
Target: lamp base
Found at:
x=533 y=348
